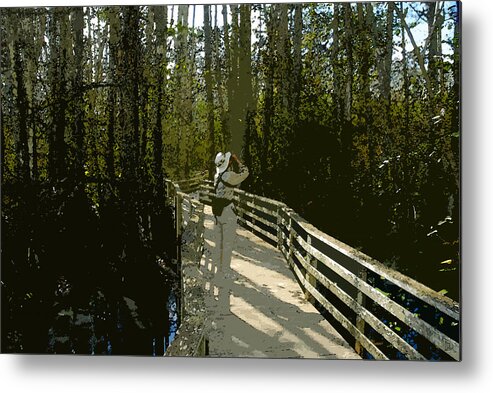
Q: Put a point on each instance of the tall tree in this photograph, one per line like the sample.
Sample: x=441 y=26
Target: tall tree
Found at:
x=244 y=93
x=432 y=18
x=183 y=92
x=208 y=85
x=22 y=105
x=297 y=58
x=77 y=86
x=130 y=91
x=161 y=18
x=59 y=51
x=234 y=103
x=113 y=79
x=219 y=49
x=387 y=76
x=225 y=113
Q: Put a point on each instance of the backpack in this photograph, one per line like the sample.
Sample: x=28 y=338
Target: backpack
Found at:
x=218 y=203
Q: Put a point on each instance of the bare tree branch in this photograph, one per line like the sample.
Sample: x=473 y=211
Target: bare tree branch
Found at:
x=417 y=51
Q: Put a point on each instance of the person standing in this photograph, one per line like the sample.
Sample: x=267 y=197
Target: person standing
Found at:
x=225 y=180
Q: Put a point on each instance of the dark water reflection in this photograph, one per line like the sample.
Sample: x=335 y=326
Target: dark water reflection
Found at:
x=80 y=333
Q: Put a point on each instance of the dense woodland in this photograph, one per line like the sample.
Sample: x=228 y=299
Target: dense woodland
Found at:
x=347 y=112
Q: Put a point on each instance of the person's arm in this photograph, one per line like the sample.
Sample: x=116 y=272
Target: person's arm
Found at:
x=234 y=178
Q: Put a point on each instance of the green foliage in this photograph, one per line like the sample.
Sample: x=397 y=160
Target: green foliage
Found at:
x=364 y=151
x=381 y=178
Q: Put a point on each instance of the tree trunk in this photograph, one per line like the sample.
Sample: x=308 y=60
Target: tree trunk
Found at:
x=161 y=20
x=407 y=175
x=225 y=118
x=183 y=93
x=350 y=63
x=417 y=52
x=364 y=34
x=57 y=78
x=114 y=43
x=190 y=92
x=336 y=69
x=268 y=108
x=234 y=103
x=297 y=59
x=244 y=93
x=78 y=83
x=285 y=61
x=130 y=89
x=22 y=107
x=388 y=58
x=219 y=83
x=208 y=87
x=432 y=45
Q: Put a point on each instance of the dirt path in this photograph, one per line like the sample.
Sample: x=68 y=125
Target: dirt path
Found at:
x=262 y=311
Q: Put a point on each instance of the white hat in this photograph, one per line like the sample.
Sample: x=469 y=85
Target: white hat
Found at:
x=222 y=161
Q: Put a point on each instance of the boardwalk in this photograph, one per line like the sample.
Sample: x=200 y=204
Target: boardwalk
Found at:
x=262 y=312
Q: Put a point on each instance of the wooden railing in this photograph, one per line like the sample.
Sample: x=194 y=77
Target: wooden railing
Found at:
x=346 y=285
x=185 y=186
x=191 y=339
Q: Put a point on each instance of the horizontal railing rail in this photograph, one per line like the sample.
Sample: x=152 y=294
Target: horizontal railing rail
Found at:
x=188 y=185
x=340 y=280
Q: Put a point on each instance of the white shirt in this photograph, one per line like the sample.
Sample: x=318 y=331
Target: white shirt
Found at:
x=233 y=179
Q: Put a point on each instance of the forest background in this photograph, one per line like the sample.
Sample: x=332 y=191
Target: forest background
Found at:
x=348 y=112
x=54 y=373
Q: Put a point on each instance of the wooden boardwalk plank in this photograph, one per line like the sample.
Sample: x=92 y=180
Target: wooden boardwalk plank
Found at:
x=262 y=312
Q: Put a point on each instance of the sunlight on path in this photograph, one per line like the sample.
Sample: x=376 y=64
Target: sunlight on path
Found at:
x=262 y=312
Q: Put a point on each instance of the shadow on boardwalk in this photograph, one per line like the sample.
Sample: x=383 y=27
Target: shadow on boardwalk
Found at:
x=261 y=311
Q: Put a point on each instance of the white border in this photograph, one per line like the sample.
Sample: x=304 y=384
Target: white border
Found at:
x=132 y=374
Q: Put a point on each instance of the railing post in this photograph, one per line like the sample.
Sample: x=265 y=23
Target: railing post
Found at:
x=279 y=224
x=168 y=190
x=179 y=214
x=311 y=280
x=360 y=322
x=253 y=218
x=239 y=209
x=290 y=238
x=200 y=246
x=179 y=220
x=199 y=189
